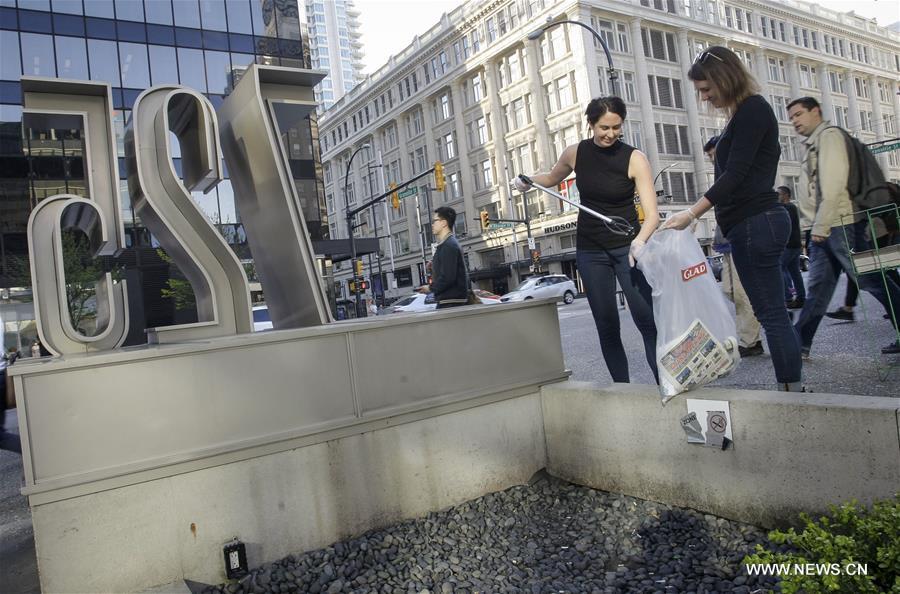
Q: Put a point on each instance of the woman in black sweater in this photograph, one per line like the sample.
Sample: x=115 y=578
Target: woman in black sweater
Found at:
x=745 y=202
x=608 y=174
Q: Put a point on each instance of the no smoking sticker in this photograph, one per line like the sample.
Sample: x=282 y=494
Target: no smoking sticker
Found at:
x=708 y=422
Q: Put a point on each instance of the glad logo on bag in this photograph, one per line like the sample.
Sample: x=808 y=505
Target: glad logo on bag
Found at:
x=693 y=272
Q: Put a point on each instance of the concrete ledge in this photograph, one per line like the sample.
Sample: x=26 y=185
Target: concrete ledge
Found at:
x=792 y=452
x=138 y=536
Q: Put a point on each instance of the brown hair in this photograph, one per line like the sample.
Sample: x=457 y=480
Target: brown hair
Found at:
x=721 y=67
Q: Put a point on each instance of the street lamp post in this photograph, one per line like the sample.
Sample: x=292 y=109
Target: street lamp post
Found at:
x=350 y=229
x=613 y=75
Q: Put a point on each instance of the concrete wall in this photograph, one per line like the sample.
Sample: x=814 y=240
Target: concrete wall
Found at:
x=792 y=452
x=140 y=535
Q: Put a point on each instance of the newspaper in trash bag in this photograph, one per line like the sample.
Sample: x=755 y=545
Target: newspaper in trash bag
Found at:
x=695 y=358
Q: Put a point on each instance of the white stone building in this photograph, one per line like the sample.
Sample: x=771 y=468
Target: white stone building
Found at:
x=474 y=93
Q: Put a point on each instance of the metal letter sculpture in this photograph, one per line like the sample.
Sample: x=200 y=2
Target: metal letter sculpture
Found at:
x=265 y=196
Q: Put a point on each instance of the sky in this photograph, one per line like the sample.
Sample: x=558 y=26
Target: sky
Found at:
x=388 y=26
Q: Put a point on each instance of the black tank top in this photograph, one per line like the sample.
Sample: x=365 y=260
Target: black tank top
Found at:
x=601 y=175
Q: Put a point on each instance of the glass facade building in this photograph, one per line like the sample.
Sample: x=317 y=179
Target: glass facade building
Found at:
x=134 y=44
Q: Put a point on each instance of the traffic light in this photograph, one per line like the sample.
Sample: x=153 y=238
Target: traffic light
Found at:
x=439 y=182
x=395 y=196
x=485 y=220
x=351 y=286
x=363 y=286
x=358 y=267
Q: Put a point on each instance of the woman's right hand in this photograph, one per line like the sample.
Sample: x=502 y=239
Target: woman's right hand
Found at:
x=679 y=221
x=518 y=184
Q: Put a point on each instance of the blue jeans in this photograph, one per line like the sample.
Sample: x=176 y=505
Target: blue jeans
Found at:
x=827 y=260
x=790 y=268
x=757 y=243
x=599 y=270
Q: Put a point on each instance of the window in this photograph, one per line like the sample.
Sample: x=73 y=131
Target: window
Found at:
x=789 y=148
x=838 y=82
x=484 y=175
x=890 y=126
x=401 y=246
x=808 y=77
x=455 y=186
x=414 y=125
x=632 y=134
x=665 y=92
x=560 y=93
x=443 y=107
x=862 y=87
x=71 y=58
x=478 y=132
x=554 y=45
x=190 y=64
x=884 y=93
x=477 y=88
x=865 y=120
x=518 y=113
x=738 y=18
x=672 y=139
x=563 y=138
x=460 y=227
x=104 y=61
x=664 y=5
x=776 y=70
x=659 y=45
x=779 y=105
x=37 y=56
x=680 y=185
x=840 y=117
x=390 y=135
x=446 y=147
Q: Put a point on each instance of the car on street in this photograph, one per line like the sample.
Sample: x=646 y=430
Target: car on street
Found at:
x=559 y=286
x=486 y=297
x=261 y=319
x=417 y=302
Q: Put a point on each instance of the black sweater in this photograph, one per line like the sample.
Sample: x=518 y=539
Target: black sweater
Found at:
x=746 y=159
x=450 y=281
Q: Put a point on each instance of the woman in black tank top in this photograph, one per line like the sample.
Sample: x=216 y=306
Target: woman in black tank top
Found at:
x=608 y=173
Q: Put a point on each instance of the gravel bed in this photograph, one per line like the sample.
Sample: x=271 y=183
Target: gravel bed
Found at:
x=549 y=536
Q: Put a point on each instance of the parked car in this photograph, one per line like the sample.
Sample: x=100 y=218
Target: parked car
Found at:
x=540 y=287
x=417 y=302
x=486 y=297
x=261 y=319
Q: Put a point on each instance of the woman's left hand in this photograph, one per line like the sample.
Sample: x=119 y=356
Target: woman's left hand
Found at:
x=679 y=221
x=634 y=252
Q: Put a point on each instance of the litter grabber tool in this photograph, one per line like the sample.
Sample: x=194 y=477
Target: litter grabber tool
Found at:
x=617 y=225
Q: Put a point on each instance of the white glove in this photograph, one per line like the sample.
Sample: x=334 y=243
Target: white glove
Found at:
x=680 y=221
x=634 y=252
x=518 y=184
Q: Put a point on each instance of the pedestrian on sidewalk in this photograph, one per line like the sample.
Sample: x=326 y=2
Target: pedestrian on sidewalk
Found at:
x=749 y=342
x=608 y=174
x=794 y=289
x=450 y=279
x=845 y=312
x=836 y=231
x=745 y=202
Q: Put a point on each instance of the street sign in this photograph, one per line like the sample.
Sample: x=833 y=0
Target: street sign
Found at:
x=408 y=192
x=493 y=226
x=531 y=243
x=886 y=148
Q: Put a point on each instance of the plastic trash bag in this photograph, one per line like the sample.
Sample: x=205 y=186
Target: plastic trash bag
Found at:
x=696 y=338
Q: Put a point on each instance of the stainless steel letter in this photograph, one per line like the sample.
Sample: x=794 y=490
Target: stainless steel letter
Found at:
x=164 y=203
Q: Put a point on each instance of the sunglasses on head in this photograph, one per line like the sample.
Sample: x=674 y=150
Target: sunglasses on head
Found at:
x=703 y=56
